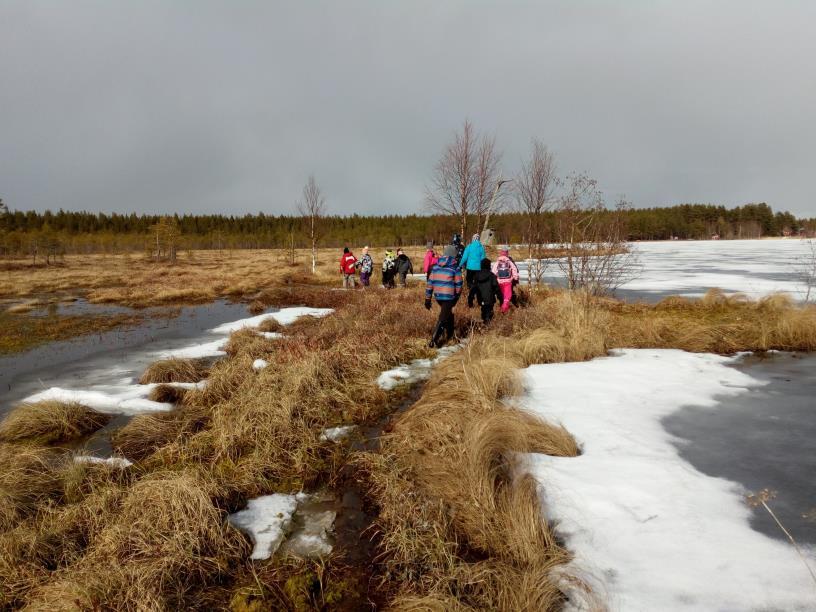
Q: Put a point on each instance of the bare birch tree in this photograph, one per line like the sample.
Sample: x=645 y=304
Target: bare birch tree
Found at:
x=807 y=271
x=312 y=206
x=596 y=256
x=535 y=187
x=488 y=175
x=464 y=177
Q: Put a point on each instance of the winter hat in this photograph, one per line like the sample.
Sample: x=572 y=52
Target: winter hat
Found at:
x=504 y=251
x=475 y=236
x=345 y=249
x=485 y=264
x=450 y=251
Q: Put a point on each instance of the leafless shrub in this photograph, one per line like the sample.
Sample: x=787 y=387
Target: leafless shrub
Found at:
x=535 y=190
x=597 y=257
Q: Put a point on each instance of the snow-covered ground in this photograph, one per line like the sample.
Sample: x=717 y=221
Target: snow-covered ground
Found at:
x=690 y=268
x=116 y=390
x=649 y=531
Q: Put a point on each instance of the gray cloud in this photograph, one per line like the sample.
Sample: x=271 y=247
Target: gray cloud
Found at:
x=202 y=106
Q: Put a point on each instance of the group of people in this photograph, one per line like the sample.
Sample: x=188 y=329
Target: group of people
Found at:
x=394 y=267
x=487 y=282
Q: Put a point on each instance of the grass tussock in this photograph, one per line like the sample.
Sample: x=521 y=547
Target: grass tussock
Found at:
x=50 y=421
x=270 y=324
x=167 y=394
x=175 y=370
x=473 y=536
x=715 y=323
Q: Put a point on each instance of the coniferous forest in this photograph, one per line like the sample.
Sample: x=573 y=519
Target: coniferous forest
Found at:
x=60 y=232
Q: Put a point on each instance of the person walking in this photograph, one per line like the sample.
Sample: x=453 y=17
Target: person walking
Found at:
x=404 y=267
x=507 y=273
x=348 y=266
x=456 y=241
x=445 y=285
x=430 y=258
x=366 y=267
x=389 y=269
x=472 y=258
x=486 y=291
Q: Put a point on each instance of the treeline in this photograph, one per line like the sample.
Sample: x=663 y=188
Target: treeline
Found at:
x=49 y=233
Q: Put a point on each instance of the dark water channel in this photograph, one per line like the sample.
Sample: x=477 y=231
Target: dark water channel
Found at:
x=79 y=362
x=764 y=438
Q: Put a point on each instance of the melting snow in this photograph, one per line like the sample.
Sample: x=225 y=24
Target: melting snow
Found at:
x=259 y=364
x=123 y=399
x=284 y=316
x=335 y=434
x=414 y=371
x=267 y=520
x=271 y=518
x=649 y=531
x=119 y=462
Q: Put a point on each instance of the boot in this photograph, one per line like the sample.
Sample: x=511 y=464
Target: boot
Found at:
x=436 y=339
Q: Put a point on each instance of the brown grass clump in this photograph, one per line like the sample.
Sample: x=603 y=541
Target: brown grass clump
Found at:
x=473 y=536
x=28 y=480
x=256 y=307
x=175 y=370
x=167 y=394
x=270 y=324
x=50 y=421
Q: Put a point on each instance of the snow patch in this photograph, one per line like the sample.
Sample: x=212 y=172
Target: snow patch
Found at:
x=284 y=316
x=414 y=371
x=649 y=531
x=335 y=434
x=267 y=520
x=118 y=462
x=259 y=364
x=271 y=519
x=196 y=351
x=119 y=399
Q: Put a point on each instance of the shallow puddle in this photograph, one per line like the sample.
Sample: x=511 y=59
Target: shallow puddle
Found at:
x=763 y=438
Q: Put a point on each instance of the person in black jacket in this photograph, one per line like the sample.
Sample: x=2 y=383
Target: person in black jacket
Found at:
x=486 y=290
x=404 y=267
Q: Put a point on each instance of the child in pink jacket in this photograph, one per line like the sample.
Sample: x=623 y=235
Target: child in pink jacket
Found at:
x=507 y=273
x=430 y=259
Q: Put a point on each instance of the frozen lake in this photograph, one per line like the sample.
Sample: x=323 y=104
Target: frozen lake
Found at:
x=690 y=268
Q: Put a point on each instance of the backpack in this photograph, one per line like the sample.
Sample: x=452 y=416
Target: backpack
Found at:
x=367 y=265
x=504 y=269
x=388 y=264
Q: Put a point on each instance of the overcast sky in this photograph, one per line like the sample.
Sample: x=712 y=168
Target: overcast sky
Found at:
x=197 y=106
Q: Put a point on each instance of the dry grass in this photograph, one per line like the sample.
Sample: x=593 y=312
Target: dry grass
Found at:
x=473 y=536
x=48 y=422
x=175 y=370
x=134 y=280
x=167 y=394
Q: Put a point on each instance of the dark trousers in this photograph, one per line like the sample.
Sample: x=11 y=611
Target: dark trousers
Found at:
x=445 y=322
x=487 y=313
x=470 y=277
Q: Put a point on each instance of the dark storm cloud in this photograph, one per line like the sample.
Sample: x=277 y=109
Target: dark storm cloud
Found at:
x=228 y=106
